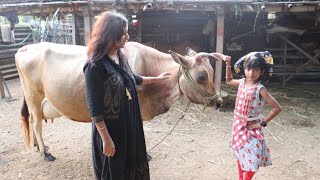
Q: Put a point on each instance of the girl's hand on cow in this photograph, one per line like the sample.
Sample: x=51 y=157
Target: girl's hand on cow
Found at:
x=227 y=59
x=222 y=57
x=108 y=147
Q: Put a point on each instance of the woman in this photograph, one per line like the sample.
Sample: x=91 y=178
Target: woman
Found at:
x=118 y=143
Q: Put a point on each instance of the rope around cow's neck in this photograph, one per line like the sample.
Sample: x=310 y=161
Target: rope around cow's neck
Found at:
x=206 y=97
x=109 y=168
x=181 y=117
x=179 y=74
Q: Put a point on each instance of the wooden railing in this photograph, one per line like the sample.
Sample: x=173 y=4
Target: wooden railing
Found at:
x=8 y=68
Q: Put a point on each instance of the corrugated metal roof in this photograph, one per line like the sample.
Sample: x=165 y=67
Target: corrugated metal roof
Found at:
x=158 y=1
x=33 y=1
x=28 y=6
x=27 y=1
x=144 y=1
x=193 y=1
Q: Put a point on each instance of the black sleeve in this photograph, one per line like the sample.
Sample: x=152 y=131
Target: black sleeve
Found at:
x=94 y=91
x=138 y=79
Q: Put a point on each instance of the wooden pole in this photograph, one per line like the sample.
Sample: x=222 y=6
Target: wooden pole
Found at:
x=139 y=33
x=219 y=47
x=74 y=29
x=1 y=86
x=87 y=18
x=284 y=63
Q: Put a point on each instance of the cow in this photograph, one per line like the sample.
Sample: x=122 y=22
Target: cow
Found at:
x=53 y=83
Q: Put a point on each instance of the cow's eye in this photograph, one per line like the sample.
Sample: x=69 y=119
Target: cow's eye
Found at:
x=201 y=77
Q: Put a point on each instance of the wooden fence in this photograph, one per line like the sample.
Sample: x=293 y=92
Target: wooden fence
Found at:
x=8 y=70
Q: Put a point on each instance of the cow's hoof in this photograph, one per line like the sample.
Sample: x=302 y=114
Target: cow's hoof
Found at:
x=48 y=157
x=37 y=147
x=149 y=157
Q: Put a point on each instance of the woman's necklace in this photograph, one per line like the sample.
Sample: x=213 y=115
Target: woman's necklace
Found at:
x=115 y=59
x=114 y=56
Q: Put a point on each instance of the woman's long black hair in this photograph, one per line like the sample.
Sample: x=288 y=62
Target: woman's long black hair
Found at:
x=106 y=31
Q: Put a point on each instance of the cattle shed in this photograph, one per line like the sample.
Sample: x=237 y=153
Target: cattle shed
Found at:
x=290 y=30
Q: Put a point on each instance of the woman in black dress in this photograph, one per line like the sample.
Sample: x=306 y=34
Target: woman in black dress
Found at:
x=118 y=143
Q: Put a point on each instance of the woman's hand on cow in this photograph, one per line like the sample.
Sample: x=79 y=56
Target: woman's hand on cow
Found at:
x=108 y=147
x=163 y=76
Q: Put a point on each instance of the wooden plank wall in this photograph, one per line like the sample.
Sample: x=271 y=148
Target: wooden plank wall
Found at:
x=7 y=52
x=8 y=68
x=170 y=30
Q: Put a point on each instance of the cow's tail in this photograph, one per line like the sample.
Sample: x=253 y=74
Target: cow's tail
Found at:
x=25 y=121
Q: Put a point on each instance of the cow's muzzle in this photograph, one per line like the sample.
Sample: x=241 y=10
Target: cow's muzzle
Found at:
x=217 y=103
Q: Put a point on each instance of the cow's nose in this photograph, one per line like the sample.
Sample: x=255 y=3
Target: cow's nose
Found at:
x=219 y=103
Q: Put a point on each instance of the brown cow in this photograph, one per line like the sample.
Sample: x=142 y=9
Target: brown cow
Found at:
x=53 y=82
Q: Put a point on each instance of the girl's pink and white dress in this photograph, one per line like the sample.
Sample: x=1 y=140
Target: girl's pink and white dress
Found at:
x=249 y=146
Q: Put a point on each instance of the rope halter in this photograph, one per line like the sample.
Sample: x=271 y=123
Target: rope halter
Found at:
x=207 y=98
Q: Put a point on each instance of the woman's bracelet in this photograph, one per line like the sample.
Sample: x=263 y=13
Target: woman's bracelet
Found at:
x=102 y=128
x=229 y=78
x=149 y=80
x=228 y=67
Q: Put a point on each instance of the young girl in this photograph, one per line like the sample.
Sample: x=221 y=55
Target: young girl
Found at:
x=248 y=143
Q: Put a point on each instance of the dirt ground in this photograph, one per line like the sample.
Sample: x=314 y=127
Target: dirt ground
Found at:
x=197 y=148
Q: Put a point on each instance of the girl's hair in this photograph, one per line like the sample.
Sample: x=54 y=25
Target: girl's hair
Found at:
x=106 y=31
x=255 y=62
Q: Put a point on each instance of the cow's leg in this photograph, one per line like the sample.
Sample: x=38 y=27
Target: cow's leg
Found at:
x=37 y=129
x=34 y=138
x=35 y=142
x=36 y=123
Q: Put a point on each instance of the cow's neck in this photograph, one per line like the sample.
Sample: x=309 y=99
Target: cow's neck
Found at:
x=156 y=99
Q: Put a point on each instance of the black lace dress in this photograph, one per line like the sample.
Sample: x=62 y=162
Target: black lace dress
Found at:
x=112 y=97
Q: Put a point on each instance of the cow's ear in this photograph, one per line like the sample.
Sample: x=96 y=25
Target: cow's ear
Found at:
x=199 y=59
x=190 y=52
x=180 y=59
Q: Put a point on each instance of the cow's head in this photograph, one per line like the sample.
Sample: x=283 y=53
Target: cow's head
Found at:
x=196 y=77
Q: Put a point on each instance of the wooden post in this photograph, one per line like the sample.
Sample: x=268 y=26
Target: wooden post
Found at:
x=1 y=86
x=219 y=47
x=139 y=29
x=87 y=18
x=212 y=35
x=52 y=26
x=284 y=63
x=74 y=29
x=34 y=38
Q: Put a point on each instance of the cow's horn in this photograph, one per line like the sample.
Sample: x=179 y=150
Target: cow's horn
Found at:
x=210 y=56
